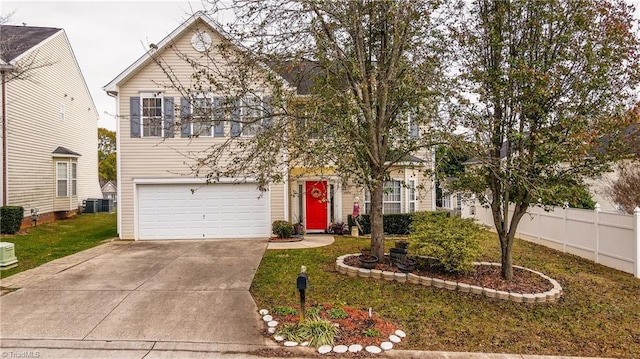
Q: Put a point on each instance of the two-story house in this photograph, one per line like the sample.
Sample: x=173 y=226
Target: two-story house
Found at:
x=49 y=135
x=159 y=197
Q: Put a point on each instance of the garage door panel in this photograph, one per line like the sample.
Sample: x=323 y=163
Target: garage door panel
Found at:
x=173 y=211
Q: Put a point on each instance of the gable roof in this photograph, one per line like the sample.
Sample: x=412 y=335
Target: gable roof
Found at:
x=112 y=87
x=16 y=40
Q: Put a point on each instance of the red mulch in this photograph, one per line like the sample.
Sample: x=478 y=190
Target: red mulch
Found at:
x=350 y=328
x=523 y=281
x=285 y=240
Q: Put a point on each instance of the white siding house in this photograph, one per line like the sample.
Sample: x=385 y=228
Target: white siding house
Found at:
x=159 y=197
x=49 y=157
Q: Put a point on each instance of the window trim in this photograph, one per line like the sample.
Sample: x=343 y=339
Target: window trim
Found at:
x=74 y=179
x=65 y=179
x=412 y=196
x=152 y=95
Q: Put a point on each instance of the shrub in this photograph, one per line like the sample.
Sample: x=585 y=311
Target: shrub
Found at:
x=11 y=219
x=337 y=228
x=298 y=229
x=370 y=332
x=454 y=242
x=313 y=312
x=317 y=332
x=282 y=229
x=397 y=223
x=285 y=311
x=337 y=313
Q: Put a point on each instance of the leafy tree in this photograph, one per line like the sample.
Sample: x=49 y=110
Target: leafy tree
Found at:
x=625 y=190
x=374 y=74
x=546 y=86
x=107 y=154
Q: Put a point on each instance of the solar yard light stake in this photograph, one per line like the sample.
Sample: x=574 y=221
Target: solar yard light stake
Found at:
x=301 y=283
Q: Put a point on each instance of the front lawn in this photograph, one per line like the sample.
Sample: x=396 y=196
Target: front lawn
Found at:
x=50 y=241
x=597 y=316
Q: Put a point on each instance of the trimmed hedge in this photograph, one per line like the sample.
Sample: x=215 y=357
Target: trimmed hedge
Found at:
x=11 y=219
x=397 y=223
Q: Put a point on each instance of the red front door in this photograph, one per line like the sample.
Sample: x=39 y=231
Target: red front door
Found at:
x=317 y=201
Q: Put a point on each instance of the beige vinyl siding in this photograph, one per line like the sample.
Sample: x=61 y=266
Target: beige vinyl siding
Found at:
x=153 y=157
x=35 y=129
x=424 y=195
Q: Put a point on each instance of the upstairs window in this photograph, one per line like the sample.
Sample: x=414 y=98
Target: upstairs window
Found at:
x=201 y=124
x=251 y=114
x=151 y=123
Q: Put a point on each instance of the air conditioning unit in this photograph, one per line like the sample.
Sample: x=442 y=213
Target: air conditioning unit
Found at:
x=7 y=256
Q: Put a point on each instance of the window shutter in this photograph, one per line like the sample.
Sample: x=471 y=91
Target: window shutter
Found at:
x=236 y=127
x=185 y=114
x=134 y=116
x=218 y=115
x=267 y=120
x=168 y=116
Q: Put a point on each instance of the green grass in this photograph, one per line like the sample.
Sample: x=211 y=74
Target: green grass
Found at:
x=50 y=241
x=598 y=314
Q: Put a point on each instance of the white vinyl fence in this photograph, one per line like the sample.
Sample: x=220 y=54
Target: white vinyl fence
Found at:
x=610 y=239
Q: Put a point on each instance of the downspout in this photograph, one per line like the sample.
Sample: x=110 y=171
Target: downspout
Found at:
x=3 y=71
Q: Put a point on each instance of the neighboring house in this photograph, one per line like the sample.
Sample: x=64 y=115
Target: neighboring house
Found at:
x=160 y=198
x=49 y=120
x=110 y=191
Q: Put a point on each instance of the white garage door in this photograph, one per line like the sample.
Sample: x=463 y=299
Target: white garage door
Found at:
x=193 y=211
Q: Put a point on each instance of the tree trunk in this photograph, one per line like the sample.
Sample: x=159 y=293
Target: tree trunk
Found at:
x=377 y=230
x=506 y=246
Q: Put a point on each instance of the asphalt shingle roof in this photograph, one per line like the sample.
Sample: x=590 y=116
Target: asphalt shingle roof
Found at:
x=15 y=40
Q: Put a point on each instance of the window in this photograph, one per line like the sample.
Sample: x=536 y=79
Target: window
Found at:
x=391 y=199
x=151 y=115
x=62 y=182
x=74 y=179
x=412 y=125
x=201 y=124
x=413 y=199
x=251 y=113
x=446 y=200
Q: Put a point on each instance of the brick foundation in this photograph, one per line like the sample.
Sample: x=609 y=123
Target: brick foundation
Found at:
x=48 y=218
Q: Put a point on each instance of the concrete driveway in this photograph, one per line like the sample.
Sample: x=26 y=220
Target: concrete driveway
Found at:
x=159 y=291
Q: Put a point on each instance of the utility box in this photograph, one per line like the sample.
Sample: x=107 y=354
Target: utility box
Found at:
x=105 y=205
x=7 y=256
x=91 y=205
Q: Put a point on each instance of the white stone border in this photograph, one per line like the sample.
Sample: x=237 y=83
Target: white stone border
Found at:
x=394 y=339
x=545 y=297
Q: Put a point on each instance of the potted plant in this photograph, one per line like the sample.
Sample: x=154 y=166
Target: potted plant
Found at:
x=406 y=265
x=402 y=244
x=367 y=260
x=298 y=230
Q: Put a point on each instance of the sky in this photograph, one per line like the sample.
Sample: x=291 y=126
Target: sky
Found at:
x=108 y=36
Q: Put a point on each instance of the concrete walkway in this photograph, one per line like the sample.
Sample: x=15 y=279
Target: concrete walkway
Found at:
x=309 y=241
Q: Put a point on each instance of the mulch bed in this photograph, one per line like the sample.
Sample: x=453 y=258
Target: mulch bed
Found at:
x=351 y=328
x=285 y=240
x=523 y=281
